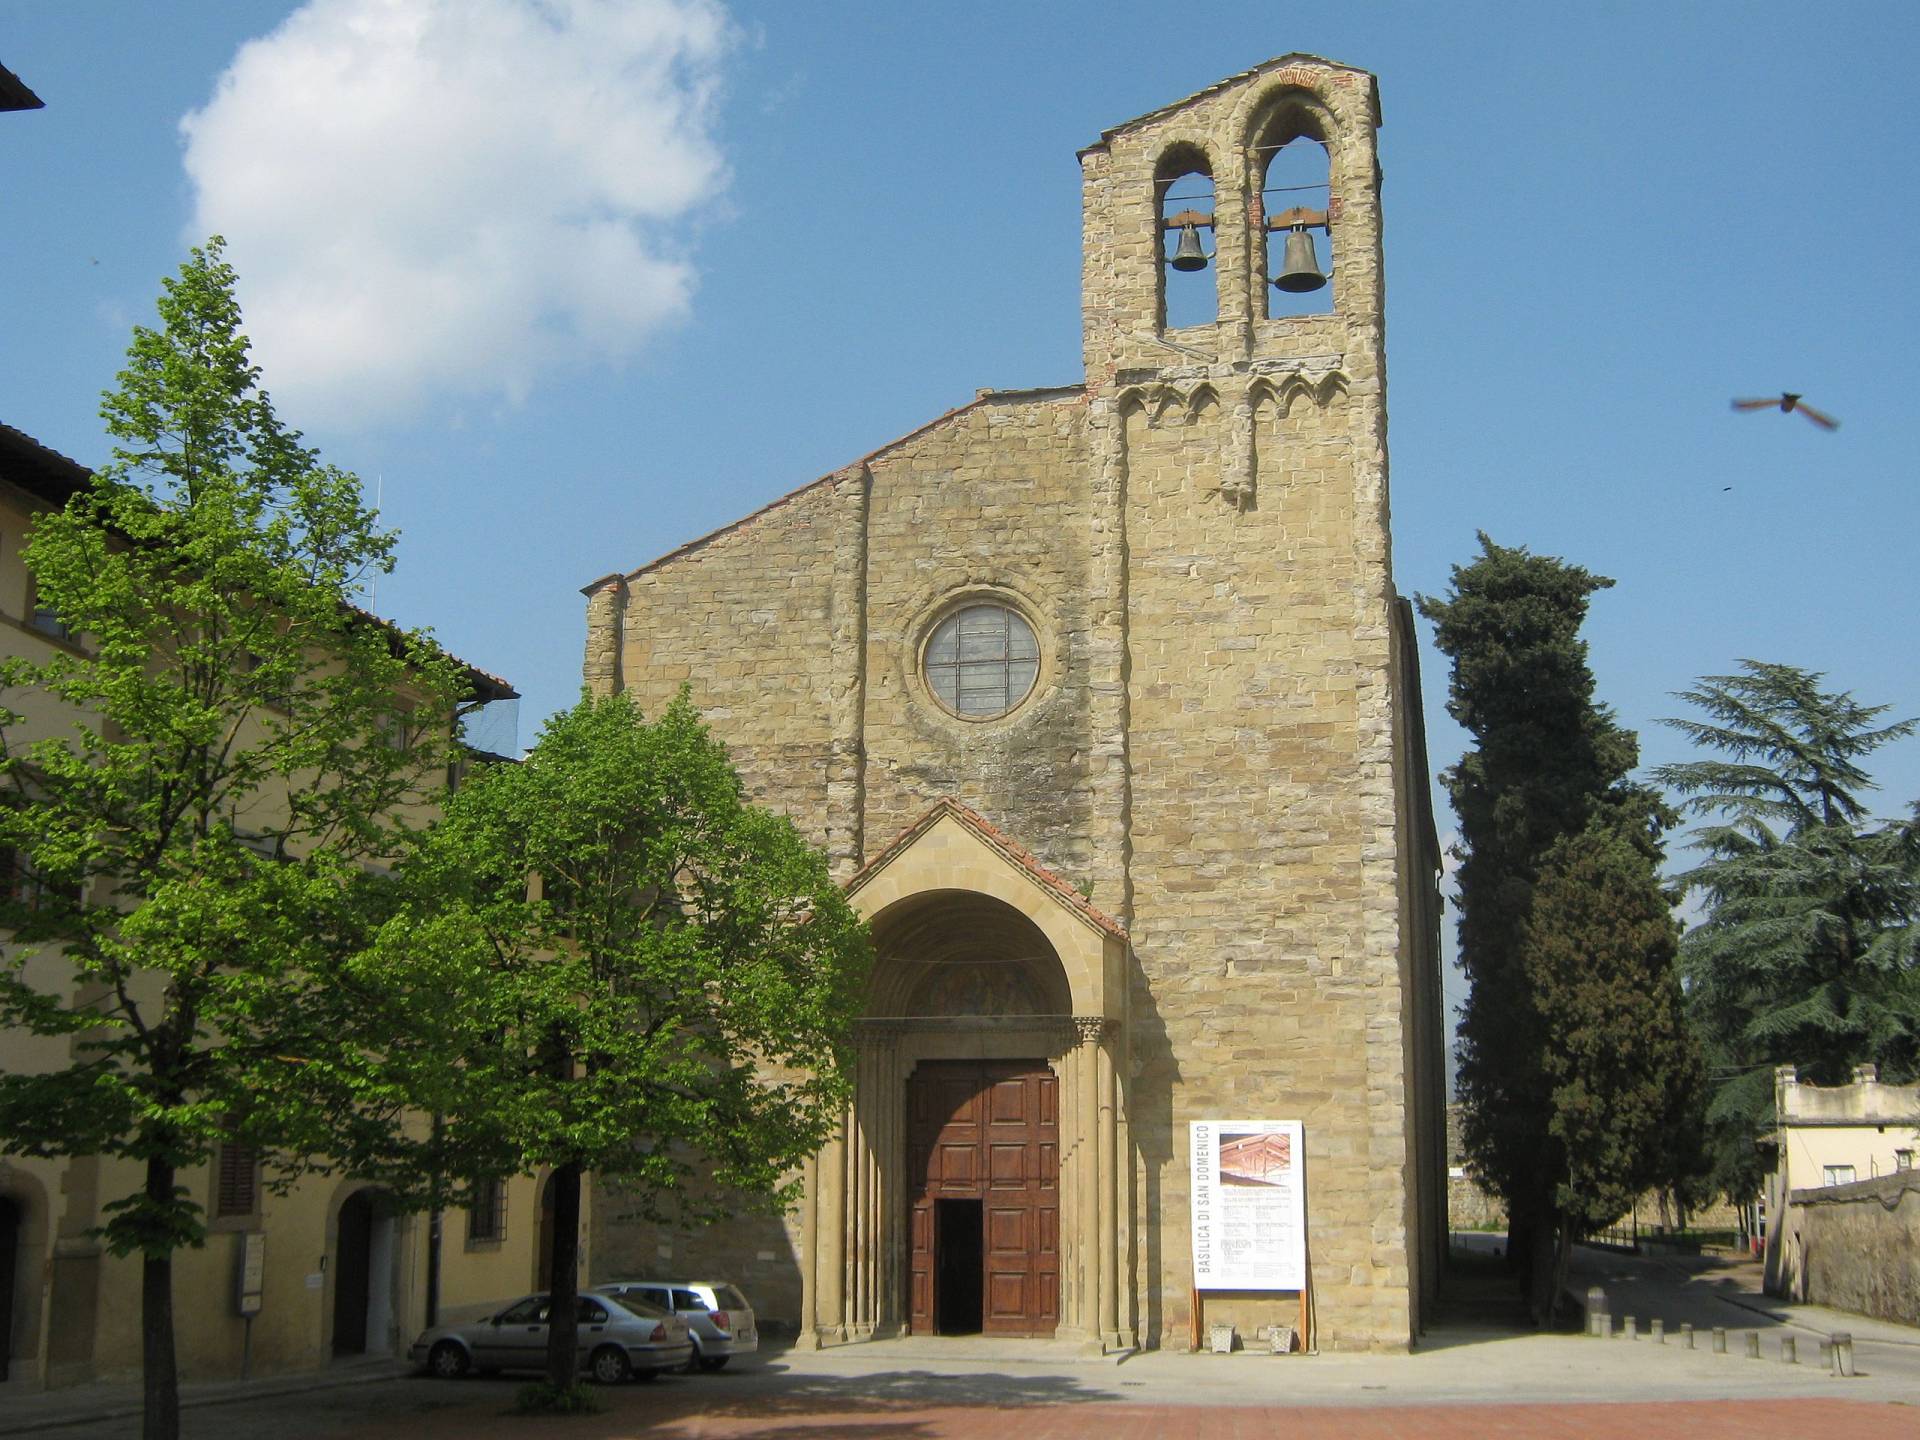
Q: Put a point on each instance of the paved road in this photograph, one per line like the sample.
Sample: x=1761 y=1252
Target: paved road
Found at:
x=1465 y=1381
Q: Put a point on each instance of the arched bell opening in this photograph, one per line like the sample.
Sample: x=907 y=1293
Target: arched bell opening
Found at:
x=1296 y=273
x=1184 y=200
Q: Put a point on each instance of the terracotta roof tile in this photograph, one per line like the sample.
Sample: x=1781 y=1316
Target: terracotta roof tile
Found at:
x=1008 y=847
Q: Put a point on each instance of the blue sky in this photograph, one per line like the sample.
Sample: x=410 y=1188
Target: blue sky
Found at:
x=722 y=251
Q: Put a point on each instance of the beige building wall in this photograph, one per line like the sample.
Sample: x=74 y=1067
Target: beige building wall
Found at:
x=74 y=1310
x=1830 y=1135
x=1222 y=753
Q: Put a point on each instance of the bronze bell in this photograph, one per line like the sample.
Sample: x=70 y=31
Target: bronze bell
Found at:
x=1188 y=255
x=1299 y=266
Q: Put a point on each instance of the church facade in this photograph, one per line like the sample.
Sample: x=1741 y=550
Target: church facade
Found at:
x=1103 y=703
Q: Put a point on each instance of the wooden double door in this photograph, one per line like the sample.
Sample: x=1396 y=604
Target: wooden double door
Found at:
x=983 y=1186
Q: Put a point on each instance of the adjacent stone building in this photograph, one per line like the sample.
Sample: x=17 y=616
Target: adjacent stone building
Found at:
x=1105 y=706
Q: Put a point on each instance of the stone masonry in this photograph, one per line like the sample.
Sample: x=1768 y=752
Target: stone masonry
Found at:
x=1222 y=750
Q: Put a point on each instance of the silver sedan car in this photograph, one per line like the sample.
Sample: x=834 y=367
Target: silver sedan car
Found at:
x=717 y=1313
x=619 y=1340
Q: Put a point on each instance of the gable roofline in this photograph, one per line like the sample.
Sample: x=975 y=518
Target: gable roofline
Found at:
x=985 y=397
x=14 y=94
x=1297 y=57
x=53 y=479
x=1002 y=844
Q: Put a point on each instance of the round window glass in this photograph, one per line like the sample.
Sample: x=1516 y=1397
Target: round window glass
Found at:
x=982 y=661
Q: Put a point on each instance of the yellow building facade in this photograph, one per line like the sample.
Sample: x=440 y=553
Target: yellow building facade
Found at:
x=338 y=1272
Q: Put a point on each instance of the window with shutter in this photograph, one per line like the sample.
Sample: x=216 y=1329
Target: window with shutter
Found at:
x=236 y=1184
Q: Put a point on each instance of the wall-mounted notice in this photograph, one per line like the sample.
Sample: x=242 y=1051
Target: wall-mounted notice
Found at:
x=1249 y=1205
x=250 y=1273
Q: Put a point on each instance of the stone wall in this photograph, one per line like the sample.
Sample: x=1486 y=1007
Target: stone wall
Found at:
x=1217 y=750
x=1860 y=1246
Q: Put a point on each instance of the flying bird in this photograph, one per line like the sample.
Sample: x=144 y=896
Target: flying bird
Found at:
x=1790 y=401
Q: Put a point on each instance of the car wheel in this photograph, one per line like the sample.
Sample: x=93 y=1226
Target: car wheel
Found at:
x=611 y=1366
x=447 y=1361
x=694 y=1360
x=713 y=1363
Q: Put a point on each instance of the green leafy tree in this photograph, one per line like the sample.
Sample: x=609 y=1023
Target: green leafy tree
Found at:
x=1548 y=761
x=1623 y=1070
x=1806 y=952
x=198 y=839
x=655 y=979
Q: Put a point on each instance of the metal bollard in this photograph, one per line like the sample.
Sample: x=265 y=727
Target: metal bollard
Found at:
x=1719 y=1340
x=1842 y=1352
x=1826 y=1354
x=1686 y=1335
x=1628 y=1329
x=1753 y=1344
x=1789 y=1350
x=1598 y=1321
x=1657 y=1331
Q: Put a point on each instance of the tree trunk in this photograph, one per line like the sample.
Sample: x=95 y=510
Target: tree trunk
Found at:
x=160 y=1417
x=1562 y=1259
x=563 y=1320
x=1518 y=1231
x=1540 y=1268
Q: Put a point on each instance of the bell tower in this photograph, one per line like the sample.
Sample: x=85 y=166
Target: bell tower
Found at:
x=1222 y=159
x=1268 y=790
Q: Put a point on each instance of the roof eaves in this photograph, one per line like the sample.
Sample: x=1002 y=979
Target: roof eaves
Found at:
x=1295 y=58
x=49 y=476
x=14 y=94
x=701 y=542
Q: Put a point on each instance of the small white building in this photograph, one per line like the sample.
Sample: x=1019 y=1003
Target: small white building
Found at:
x=1830 y=1135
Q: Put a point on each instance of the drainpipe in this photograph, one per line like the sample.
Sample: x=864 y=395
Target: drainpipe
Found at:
x=433 y=1235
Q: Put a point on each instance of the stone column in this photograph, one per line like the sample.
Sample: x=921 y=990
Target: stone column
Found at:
x=1088 y=1177
x=830 y=1238
x=860 y=1198
x=1123 y=1180
x=1109 y=1210
x=1106 y=662
x=1068 y=1111
x=847 y=679
x=809 y=1336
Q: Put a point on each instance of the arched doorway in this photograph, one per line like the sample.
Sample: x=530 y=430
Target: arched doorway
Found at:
x=982 y=1155
x=11 y=1223
x=363 y=1275
x=982 y=1177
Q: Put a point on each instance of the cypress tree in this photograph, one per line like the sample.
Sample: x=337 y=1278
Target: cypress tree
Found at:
x=1548 y=762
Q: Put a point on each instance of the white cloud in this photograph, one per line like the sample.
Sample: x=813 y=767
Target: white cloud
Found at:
x=450 y=197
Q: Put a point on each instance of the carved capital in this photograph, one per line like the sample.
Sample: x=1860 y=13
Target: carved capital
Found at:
x=1092 y=1029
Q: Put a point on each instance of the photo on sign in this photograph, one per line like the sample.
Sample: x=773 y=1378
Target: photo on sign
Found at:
x=1261 y=1157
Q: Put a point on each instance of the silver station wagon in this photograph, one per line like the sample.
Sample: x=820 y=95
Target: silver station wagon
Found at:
x=619 y=1340
x=718 y=1316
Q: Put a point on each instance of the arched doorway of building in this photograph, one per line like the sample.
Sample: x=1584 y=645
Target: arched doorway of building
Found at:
x=11 y=1222
x=363 y=1275
x=981 y=1161
x=983 y=1185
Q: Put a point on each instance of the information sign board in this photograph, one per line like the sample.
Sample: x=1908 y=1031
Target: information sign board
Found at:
x=1249 y=1205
